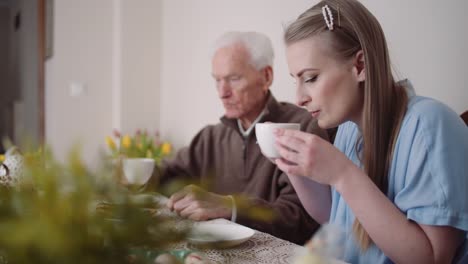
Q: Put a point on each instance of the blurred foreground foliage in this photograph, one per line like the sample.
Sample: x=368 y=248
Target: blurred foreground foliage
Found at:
x=51 y=216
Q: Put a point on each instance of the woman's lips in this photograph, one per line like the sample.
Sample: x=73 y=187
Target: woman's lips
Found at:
x=315 y=114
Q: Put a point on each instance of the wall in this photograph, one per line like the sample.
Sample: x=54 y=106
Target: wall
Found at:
x=140 y=65
x=109 y=50
x=427 y=39
x=82 y=54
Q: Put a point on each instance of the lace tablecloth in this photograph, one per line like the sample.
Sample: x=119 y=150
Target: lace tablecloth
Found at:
x=260 y=248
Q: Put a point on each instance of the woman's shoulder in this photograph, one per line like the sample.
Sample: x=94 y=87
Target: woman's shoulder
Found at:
x=433 y=121
x=428 y=110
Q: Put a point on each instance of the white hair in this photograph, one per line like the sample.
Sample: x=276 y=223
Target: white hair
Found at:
x=257 y=45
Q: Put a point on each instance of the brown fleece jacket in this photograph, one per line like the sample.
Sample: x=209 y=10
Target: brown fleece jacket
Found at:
x=235 y=165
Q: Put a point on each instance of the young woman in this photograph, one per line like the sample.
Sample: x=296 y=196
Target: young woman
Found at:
x=396 y=180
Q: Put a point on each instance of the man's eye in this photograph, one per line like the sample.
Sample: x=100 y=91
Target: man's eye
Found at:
x=234 y=78
x=312 y=79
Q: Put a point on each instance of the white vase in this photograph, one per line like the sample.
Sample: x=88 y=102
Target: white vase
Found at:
x=137 y=171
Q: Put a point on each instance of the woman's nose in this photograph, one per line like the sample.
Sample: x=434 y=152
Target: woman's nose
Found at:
x=302 y=99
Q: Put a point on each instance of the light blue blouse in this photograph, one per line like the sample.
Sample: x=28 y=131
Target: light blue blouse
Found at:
x=428 y=179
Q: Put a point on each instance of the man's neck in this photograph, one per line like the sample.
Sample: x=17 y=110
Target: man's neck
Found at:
x=251 y=117
x=246 y=123
x=246 y=130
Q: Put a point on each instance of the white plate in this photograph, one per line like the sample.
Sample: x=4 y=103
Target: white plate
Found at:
x=219 y=234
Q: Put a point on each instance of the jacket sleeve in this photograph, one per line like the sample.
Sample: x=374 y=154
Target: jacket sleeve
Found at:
x=289 y=220
x=186 y=164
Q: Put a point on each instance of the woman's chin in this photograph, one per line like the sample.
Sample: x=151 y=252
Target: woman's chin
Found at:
x=323 y=124
x=326 y=124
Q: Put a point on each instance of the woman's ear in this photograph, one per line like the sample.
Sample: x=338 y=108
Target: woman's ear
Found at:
x=360 y=66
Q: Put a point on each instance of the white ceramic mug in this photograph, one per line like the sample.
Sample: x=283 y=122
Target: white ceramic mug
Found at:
x=266 y=138
x=137 y=171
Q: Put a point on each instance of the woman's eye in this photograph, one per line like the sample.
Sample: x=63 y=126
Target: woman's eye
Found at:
x=312 y=79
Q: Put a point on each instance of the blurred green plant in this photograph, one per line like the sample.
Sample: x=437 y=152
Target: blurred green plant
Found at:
x=139 y=145
x=66 y=213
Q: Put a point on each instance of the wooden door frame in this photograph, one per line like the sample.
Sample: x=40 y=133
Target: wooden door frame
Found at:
x=41 y=67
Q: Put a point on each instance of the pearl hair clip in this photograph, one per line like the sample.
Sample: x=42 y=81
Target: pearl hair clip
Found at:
x=328 y=16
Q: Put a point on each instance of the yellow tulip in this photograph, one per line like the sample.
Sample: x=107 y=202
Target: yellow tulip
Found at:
x=126 y=141
x=110 y=143
x=2 y=158
x=149 y=154
x=166 y=148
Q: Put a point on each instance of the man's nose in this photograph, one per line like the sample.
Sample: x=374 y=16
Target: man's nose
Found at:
x=224 y=89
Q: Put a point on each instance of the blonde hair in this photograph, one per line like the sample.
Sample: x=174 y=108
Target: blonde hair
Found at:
x=355 y=29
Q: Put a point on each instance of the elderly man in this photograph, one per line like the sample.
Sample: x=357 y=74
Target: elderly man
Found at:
x=227 y=154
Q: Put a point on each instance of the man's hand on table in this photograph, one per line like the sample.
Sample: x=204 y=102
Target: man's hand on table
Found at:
x=195 y=203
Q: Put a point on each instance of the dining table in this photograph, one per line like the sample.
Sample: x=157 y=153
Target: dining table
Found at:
x=259 y=248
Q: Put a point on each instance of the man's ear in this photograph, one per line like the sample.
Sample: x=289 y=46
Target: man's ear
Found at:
x=268 y=76
x=359 y=66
